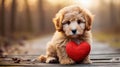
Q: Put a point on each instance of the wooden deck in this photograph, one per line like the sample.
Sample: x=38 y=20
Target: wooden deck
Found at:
x=102 y=55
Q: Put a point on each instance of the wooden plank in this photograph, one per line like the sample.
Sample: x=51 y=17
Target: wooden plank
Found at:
x=92 y=56
x=101 y=61
x=59 y=65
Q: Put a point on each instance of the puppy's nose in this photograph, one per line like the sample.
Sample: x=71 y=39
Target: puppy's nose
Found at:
x=74 y=31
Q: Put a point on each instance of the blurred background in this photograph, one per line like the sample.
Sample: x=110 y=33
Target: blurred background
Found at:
x=22 y=21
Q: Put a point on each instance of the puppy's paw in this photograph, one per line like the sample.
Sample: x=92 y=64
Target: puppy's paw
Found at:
x=67 y=61
x=87 y=61
x=42 y=58
x=51 y=60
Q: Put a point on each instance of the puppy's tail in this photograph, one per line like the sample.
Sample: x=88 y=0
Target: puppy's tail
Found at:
x=42 y=58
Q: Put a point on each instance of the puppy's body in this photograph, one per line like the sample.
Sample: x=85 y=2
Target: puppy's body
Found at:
x=72 y=23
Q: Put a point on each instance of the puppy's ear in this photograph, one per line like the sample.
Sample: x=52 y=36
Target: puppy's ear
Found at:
x=89 y=19
x=58 y=21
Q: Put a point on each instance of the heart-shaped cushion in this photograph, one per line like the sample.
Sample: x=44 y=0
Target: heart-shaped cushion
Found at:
x=77 y=52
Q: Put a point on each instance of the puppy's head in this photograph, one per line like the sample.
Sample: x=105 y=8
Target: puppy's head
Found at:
x=73 y=21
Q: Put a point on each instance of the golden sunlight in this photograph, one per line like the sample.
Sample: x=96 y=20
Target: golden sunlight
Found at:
x=32 y=2
x=56 y=2
x=107 y=1
x=84 y=3
x=8 y=3
x=87 y=3
x=20 y=5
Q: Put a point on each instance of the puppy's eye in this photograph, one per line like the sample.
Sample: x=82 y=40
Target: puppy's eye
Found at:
x=68 y=22
x=78 y=21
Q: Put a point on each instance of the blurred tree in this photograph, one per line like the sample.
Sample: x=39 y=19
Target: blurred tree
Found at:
x=112 y=12
x=13 y=14
x=29 y=21
x=114 y=17
x=41 y=14
x=2 y=10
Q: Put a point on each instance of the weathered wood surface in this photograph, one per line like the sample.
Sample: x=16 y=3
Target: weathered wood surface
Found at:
x=102 y=55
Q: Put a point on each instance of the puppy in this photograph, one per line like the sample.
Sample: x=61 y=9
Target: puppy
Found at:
x=71 y=23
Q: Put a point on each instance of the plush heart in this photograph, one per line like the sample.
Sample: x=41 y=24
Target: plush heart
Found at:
x=77 y=52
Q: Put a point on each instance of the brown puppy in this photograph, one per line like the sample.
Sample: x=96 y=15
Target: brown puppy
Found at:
x=71 y=23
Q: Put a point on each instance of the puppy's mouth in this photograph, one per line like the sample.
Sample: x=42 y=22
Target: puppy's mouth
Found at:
x=74 y=36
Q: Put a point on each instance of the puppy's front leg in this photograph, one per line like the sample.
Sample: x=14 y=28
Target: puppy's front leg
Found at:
x=63 y=57
x=50 y=56
x=87 y=60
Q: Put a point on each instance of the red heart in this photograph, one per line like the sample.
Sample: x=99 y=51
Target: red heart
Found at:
x=77 y=52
